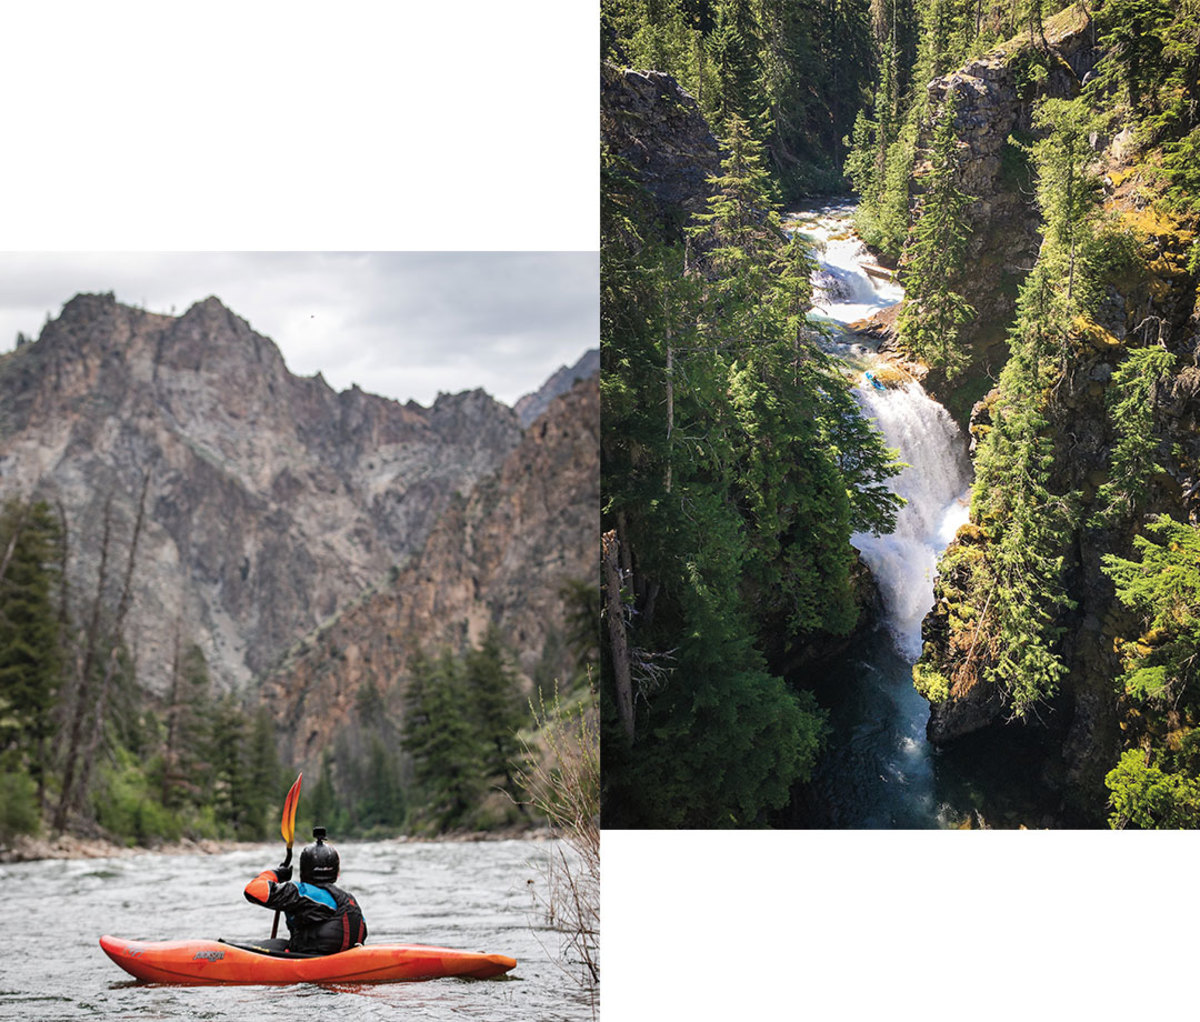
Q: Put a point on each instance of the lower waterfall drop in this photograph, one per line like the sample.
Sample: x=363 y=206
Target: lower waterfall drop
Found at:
x=935 y=487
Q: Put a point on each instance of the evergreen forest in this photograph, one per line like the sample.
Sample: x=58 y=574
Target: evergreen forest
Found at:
x=86 y=750
x=1029 y=172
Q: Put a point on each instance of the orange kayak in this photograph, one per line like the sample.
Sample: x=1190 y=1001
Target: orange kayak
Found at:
x=195 y=962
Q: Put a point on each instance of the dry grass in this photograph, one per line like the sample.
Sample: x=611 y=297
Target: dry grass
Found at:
x=563 y=782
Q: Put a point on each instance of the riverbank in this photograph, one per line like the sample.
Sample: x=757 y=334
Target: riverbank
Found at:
x=71 y=846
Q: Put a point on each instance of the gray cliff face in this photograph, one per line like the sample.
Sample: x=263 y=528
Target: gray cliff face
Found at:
x=500 y=555
x=657 y=129
x=271 y=499
x=993 y=103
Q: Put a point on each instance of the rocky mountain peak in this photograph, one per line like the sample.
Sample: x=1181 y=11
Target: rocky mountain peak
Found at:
x=272 y=501
x=532 y=406
x=210 y=320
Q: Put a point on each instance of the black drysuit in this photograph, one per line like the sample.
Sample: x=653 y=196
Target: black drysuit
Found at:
x=322 y=918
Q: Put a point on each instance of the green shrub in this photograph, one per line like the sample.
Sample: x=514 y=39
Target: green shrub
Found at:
x=18 y=805
x=128 y=807
x=933 y=685
x=1144 y=796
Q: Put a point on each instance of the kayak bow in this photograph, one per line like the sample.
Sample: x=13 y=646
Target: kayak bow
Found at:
x=197 y=962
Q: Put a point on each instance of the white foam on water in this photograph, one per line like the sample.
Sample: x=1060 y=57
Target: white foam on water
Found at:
x=843 y=290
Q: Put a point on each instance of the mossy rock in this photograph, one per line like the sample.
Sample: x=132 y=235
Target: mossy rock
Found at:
x=1094 y=334
x=1166 y=237
x=930 y=683
x=969 y=532
x=890 y=376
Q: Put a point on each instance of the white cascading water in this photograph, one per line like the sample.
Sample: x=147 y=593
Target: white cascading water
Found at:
x=904 y=561
x=929 y=442
x=844 y=290
x=878 y=769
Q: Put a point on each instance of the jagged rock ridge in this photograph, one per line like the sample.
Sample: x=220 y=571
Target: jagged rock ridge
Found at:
x=272 y=500
x=533 y=406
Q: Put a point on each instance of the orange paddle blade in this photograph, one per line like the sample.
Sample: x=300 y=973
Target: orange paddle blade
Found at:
x=287 y=825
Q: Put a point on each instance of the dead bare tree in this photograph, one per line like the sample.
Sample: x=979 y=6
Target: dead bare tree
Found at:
x=118 y=637
x=91 y=696
x=619 y=641
x=82 y=683
x=10 y=549
x=173 y=711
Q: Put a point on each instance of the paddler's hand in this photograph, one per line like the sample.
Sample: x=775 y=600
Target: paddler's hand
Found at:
x=283 y=874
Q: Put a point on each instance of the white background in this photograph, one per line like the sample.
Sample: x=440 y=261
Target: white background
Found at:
x=300 y=125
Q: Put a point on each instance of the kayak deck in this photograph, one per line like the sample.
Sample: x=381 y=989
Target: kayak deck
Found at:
x=198 y=962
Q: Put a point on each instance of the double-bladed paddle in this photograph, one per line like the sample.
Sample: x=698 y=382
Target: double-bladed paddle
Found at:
x=287 y=827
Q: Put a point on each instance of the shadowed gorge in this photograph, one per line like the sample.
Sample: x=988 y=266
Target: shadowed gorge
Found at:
x=1011 y=282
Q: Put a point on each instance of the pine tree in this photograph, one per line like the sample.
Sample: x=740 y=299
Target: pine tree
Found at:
x=497 y=708
x=263 y=770
x=1134 y=455
x=30 y=639
x=187 y=769
x=1130 y=35
x=1150 y=798
x=1029 y=527
x=740 y=230
x=935 y=310
x=236 y=803
x=736 y=47
x=1163 y=588
x=326 y=805
x=1068 y=194
x=442 y=743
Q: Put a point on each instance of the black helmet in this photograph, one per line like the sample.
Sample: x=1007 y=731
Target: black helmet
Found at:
x=319 y=863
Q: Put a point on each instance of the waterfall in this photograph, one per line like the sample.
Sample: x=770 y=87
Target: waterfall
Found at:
x=844 y=289
x=934 y=484
x=849 y=286
x=878 y=769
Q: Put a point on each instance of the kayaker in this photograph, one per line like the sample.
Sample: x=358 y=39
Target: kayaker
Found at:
x=321 y=917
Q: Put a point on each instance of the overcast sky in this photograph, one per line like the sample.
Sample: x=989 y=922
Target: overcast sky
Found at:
x=465 y=130
x=406 y=325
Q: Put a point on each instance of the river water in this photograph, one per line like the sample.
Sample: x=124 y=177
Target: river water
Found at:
x=476 y=896
x=878 y=770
